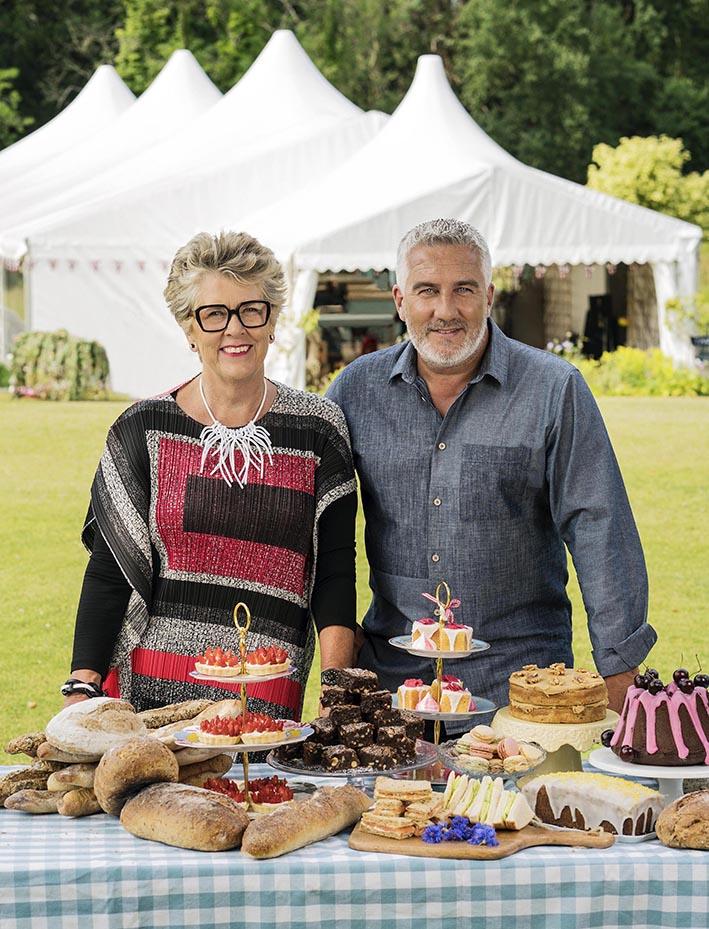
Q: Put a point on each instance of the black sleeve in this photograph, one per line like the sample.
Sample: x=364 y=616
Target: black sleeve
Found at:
x=334 y=597
x=102 y=605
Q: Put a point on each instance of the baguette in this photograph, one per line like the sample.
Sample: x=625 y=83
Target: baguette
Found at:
x=128 y=767
x=47 y=752
x=173 y=713
x=79 y=802
x=33 y=801
x=74 y=775
x=188 y=756
x=186 y=817
x=25 y=744
x=327 y=812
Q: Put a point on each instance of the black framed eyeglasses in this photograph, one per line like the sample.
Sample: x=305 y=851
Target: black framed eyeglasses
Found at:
x=252 y=314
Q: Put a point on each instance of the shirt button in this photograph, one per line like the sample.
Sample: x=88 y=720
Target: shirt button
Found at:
x=442 y=446
x=435 y=558
x=437 y=501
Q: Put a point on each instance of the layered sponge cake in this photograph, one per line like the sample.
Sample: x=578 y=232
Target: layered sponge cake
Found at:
x=558 y=694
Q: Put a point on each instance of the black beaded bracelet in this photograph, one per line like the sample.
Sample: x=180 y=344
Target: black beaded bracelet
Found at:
x=87 y=688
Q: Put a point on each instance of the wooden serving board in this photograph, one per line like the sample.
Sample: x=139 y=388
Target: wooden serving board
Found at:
x=510 y=842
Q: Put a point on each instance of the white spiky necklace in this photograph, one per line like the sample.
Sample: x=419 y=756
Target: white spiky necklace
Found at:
x=254 y=443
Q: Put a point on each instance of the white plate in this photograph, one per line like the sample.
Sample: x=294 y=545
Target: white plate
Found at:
x=404 y=643
x=242 y=678
x=182 y=741
x=482 y=706
x=606 y=760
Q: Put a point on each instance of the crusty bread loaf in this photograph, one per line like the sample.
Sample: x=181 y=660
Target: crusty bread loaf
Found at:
x=33 y=801
x=73 y=775
x=327 y=812
x=47 y=752
x=187 y=817
x=173 y=713
x=79 y=802
x=684 y=823
x=126 y=768
x=25 y=778
x=212 y=767
x=26 y=744
x=91 y=727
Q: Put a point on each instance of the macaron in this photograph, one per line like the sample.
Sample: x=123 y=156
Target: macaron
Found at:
x=484 y=734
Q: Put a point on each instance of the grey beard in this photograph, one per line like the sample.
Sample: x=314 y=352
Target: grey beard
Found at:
x=438 y=360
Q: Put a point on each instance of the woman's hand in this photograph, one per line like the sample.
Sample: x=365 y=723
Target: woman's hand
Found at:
x=74 y=698
x=89 y=677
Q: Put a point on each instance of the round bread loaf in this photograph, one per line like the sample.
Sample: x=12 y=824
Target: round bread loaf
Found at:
x=91 y=727
x=130 y=766
x=187 y=817
x=684 y=823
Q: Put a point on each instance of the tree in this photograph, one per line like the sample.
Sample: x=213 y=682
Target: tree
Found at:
x=12 y=123
x=648 y=171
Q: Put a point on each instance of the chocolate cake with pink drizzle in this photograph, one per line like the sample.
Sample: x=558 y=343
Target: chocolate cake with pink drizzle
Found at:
x=664 y=725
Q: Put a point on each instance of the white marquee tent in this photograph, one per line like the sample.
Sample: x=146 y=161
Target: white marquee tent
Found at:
x=104 y=98
x=431 y=160
x=179 y=95
x=99 y=269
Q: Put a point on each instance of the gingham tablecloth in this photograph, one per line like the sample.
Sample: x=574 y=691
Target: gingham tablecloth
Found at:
x=57 y=872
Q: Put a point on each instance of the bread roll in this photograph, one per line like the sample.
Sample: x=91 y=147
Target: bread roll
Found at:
x=79 y=802
x=212 y=767
x=25 y=744
x=73 y=775
x=33 y=801
x=128 y=767
x=91 y=727
x=173 y=713
x=327 y=812
x=47 y=752
x=187 y=817
x=684 y=823
x=25 y=778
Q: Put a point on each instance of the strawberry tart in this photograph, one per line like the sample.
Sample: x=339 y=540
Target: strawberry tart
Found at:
x=267 y=660
x=266 y=793
x=251 y=729
x=218 y=662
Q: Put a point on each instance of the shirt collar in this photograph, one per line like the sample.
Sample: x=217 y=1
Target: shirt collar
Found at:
x=495 y=361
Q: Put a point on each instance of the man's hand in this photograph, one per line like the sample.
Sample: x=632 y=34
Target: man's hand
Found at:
x=617 y=685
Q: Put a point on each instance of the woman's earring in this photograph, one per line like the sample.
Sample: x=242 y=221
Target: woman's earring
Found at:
x=271 y=337
x=193 y=346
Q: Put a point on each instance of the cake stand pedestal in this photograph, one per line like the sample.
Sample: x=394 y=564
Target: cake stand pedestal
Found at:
x=669 y=778
x=563 y=742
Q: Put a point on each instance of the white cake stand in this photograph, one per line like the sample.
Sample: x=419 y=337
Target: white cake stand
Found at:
x=563 y=742
x=669 y=778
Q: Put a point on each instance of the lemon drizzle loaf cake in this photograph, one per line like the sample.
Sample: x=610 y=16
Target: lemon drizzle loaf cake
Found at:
x=558 y=694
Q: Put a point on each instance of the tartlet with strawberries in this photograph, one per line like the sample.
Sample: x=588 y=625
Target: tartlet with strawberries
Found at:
x=269 y=659
x=266 y=793
x=249 y=729
x=218 y=662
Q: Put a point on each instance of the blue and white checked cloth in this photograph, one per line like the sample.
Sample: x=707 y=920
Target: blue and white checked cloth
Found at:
x=57 y=872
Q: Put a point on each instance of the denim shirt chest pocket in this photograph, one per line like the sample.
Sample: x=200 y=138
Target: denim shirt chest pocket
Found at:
x=493 y=482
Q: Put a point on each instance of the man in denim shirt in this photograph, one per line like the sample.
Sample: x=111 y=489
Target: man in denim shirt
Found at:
x=478 y=458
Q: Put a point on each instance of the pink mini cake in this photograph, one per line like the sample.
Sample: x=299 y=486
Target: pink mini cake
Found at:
x=452 y=637
x=411 y=692
x=453 y=697
x=662 y=725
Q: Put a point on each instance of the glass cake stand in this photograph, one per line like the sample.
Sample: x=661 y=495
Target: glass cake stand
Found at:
x=453 y=762
x=426 y=754
x=669 y=777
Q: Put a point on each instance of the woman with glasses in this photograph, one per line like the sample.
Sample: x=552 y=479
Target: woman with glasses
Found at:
x=229 y=488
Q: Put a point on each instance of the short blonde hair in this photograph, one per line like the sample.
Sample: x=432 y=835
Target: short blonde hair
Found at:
x=237 y=254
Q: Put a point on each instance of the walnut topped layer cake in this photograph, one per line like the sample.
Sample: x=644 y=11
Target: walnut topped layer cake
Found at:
x=558 y=694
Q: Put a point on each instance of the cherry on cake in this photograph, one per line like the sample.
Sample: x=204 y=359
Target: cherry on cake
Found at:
x=664 y=725
x=269 y=659
x=218 y=662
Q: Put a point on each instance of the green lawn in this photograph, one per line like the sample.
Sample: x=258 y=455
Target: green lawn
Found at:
x=48 y=453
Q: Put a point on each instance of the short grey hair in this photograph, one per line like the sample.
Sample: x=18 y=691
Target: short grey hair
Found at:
x=443 y=232
x=236 y=254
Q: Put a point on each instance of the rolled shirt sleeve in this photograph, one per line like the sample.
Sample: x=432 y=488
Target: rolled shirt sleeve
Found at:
x=590 y=507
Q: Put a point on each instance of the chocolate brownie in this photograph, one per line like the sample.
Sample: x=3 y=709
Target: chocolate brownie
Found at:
x=312 y=753
x=356 y=679
x=373 y=701
x=390 y=735
x=324 y=731
x=377 y=756
x=414 y=725
x=336 y=696
x=288 y=752
x=342 y=715
x=335 y=757
x=404 y=750
x=357 y=735
x=386 y=718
